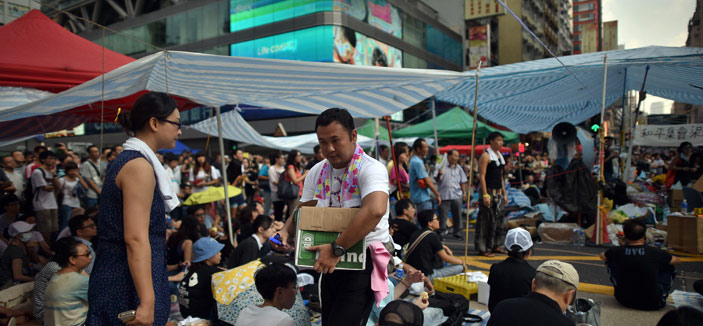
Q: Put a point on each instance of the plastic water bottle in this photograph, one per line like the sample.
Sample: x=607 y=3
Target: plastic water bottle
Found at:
x=684 y=206
x=582 y=238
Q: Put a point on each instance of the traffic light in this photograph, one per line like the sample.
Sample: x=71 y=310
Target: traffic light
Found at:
x=595 y=127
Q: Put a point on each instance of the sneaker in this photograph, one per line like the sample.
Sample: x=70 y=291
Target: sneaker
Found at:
x=458 y=236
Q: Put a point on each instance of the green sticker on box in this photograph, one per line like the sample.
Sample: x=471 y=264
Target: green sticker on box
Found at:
x=354 y=259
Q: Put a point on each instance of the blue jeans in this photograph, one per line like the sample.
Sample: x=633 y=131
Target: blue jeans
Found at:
x=424 y=206
x=90 y=202
x=447 y=270
x=64 y=216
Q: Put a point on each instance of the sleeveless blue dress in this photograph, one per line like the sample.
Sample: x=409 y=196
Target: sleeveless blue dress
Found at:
x=112 y=289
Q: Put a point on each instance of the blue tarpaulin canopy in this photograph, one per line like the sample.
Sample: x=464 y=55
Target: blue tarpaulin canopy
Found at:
x=536 y=95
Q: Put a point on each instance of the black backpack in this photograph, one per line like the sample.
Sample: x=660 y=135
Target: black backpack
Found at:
x=454 y=306
x=30 y=193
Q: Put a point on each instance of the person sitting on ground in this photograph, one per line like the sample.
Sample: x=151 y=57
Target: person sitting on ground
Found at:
x=179 y=247
x=10 y=205
x=16 y=263
x=66 y=297
x=83 y=229
x=246 y=218
x=402 y=225
x=195 y=297
x=41 y=281
x=254 y=246
x=277 y=285
x=642 y=275
x=553 y=290
x=682 y=316
x=395 y=292
x=401 y=313
x=512 y=278
x=422 y=254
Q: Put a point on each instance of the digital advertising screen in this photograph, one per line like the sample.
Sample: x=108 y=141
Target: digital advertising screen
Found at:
x=310 y=44
x=246 y=14
x=354 y=48
x=378 y=13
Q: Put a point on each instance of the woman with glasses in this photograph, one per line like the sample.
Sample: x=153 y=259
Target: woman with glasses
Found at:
x=66 y=297
x=130 y=266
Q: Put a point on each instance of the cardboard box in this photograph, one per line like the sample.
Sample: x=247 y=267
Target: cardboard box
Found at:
x=484 y=291
x=675 y=199
x=698 y=185
x=322 y=225
x=511 y=224
x=685 y=233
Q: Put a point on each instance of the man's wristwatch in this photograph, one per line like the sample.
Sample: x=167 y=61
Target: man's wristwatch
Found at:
x=338 y=250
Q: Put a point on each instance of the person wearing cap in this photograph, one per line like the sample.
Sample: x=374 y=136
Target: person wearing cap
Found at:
x=277 y=284
x=553 y=290
x=401 y=313
x=512 y=278
x=641 y=274
x=195 y=297
x=16 y=262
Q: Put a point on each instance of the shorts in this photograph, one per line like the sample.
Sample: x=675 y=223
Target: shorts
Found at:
x=47 y=220
x=237 y=201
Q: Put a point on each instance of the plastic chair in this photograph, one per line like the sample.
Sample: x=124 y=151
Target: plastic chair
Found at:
x=694 y=199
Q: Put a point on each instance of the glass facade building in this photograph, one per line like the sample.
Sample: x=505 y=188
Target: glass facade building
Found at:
x=361 y=32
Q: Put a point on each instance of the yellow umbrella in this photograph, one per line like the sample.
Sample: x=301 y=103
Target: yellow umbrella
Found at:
x=228 y=284
x=211 y=194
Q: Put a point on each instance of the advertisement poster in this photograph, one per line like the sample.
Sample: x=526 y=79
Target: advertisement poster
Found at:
x=479 y=45
x=246 y=14
x=378 y=13
x=354 y=48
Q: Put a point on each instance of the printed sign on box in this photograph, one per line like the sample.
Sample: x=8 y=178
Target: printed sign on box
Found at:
x=322 y=225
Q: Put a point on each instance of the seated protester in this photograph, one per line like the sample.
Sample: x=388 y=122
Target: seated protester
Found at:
x=402 y=225
x=553 y=290
x=10 y=205
x=83 y=229
x=195 y=297
x=179 y=247
x=16 y=263
x=512 y=278
x=641 y=274
x=401 y=313
x=66 y=297
x=41 y=281
x=277 y=285
x=429 y=254
x=395 y=292
x=198 y=213
x=254 y=246
x=246 y=218
x=682 y=316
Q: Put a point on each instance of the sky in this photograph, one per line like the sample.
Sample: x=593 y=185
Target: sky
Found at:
x=650 y=22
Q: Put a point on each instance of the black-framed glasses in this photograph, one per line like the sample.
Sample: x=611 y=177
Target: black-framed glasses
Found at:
x=91 y=225
x=177 y=124
x=87 y=254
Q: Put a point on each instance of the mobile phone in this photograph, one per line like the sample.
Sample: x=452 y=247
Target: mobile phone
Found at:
x=276 y=239
x=127 y=316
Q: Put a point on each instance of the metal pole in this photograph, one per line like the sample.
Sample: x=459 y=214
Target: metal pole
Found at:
x=623 y=122
x=599 y=226
x=376 y=138
x=224 y=175
x=471 y=161
x=633 y=123
x=434 y=120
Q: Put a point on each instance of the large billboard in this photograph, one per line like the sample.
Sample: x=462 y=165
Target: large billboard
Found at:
x=354 y=48
x=476 y=9
x=246 y=14
x=589 y=38
x=479 y=45
x=310 y=44
x=610 y=35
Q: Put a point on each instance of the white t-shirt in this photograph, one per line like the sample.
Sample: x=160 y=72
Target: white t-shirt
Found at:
x=44 y=199
x=255 y=316
x=373 y=177
x=274 y=174
x=214 y=174
x=67 y=188
x=91 y=170
x=174 y=175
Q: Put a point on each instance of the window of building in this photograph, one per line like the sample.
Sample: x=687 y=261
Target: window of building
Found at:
x=411 y=61
x=584 y=17
x=584 y=7
x=577 y=28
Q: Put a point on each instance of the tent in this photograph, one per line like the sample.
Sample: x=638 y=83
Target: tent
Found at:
x=536 y=95
x=178 y=149
x=466 y=149
x=369 y=130
x=41 y=54
x=456 y=125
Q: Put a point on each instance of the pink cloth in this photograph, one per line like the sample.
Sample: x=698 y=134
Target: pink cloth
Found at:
x=379 y=275
x=404 y=178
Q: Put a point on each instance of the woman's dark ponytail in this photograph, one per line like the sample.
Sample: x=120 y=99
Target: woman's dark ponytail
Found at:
x=151 y=104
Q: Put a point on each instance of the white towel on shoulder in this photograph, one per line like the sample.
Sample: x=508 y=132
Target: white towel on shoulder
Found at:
x=497 y=157
x=162 y=180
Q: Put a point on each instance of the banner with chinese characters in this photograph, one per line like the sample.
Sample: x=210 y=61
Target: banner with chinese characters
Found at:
x=476 y=9
x=668 y=135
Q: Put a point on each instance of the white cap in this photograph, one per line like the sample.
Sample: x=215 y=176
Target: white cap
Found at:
x=19 y=227
x=520 y=237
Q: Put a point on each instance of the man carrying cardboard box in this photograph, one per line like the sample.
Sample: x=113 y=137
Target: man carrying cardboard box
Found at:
x=348 y=178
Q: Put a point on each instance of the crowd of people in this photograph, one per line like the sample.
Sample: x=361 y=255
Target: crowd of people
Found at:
x=81 y=225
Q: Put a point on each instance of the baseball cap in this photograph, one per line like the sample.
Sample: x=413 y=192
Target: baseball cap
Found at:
x=205 y=248
x=19 y=227
x=401 y=313
x=560 y=270
x=520 y=237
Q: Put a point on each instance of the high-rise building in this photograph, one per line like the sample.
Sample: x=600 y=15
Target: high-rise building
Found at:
x=587 y=26
x=12 y=9
x=500 y=37
x=395 y=33
x=694 y=39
